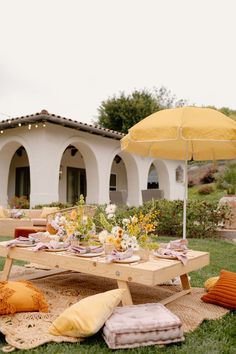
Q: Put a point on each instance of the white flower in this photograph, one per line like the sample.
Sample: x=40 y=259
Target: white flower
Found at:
x=135 y=247
x=124 y=244
x=115 y=230
x=125 y=237
x=102 y=236
x=126 y=221
x=134 y=219
x=110 y=209
x=54 y=224
x=110 y=216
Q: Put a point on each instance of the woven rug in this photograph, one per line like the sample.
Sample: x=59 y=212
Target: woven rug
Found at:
x=29 y=330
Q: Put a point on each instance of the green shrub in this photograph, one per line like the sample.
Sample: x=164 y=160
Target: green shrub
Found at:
x=53 y=204
x=205 y=189
x=203 y=217
x=226 y=180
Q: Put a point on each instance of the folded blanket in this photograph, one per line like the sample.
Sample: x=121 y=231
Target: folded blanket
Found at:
x=20 y=241
x=117 y=256
x=86 y=249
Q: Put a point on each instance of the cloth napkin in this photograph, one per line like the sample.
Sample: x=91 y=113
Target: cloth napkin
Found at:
x=176 y=248
x=20 y=241
x=88 y=249
x=117 y=256
x=52 y=245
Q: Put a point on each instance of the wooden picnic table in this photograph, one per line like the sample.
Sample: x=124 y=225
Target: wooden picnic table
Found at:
x=150 y=273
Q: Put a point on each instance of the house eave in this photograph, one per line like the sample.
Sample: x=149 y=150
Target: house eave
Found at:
x=58 y=120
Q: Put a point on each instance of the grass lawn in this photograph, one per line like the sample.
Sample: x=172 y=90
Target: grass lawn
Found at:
x=213 y=337
x=214 y=196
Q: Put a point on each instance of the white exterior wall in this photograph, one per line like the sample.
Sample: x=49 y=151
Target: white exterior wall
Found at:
x=45 y=150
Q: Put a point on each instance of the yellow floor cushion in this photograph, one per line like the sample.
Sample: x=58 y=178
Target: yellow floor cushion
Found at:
x=87 y=316
x=21 y=296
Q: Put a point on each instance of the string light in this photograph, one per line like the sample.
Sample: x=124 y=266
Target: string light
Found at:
x=29 y=126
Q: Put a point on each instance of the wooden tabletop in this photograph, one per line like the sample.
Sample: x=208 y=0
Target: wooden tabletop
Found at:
x=152 y=272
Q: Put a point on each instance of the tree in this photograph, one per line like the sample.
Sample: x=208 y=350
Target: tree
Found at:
x=122 y=112
x=225 y=110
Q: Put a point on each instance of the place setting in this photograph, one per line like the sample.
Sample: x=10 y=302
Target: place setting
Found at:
x=174 y=250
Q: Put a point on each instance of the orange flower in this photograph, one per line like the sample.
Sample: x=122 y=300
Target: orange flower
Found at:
x=73 y=215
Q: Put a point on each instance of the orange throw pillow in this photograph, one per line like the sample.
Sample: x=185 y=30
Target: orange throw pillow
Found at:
x=223 y=292
x=21 y=296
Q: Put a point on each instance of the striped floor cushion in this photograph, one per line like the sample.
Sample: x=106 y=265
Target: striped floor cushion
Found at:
x=142 y=325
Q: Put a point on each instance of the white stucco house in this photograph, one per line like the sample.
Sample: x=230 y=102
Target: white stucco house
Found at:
x=50 y=158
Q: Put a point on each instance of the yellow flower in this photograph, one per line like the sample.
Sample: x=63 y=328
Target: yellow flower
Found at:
x=117 y=243
x=110 y=239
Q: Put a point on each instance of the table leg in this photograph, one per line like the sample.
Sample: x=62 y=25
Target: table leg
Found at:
x=186 y=290
x=127 y=299
x=7 y=268
x=185 y=282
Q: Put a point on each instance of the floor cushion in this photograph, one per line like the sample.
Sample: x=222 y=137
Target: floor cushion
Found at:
x=86 y=317
x=142 y=325
x=21 y=296
x=223 y=292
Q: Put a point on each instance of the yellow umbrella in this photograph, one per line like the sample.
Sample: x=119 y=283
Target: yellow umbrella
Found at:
x=186 y=133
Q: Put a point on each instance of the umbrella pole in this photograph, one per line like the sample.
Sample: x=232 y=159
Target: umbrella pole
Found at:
x=185 y=192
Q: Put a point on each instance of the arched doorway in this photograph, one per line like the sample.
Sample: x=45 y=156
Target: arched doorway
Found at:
x=118 y=181
x=153 y=181
x=72 y=176
x=19 y=176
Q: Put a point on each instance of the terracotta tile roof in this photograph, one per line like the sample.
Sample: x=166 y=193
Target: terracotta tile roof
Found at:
x=45 y=117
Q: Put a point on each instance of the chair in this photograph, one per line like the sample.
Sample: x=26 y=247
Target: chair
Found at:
x=118 y=197
x=149 y=194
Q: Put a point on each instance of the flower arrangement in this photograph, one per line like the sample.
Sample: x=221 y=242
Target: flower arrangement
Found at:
x=78 y=226
x=57 y=226
x=130 y=233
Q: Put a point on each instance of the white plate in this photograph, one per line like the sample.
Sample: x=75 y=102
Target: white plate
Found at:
x=131 y=259
x=164 y=256
x=54 y=250
x=94 y=254
x=26 y=245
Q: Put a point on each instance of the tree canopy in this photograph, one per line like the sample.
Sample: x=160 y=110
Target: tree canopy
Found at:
x=122 y=112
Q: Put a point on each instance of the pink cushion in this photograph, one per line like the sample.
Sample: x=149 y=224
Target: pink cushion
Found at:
x=142 y=325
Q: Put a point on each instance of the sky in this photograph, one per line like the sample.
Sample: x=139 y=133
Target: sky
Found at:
x=67 y=56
